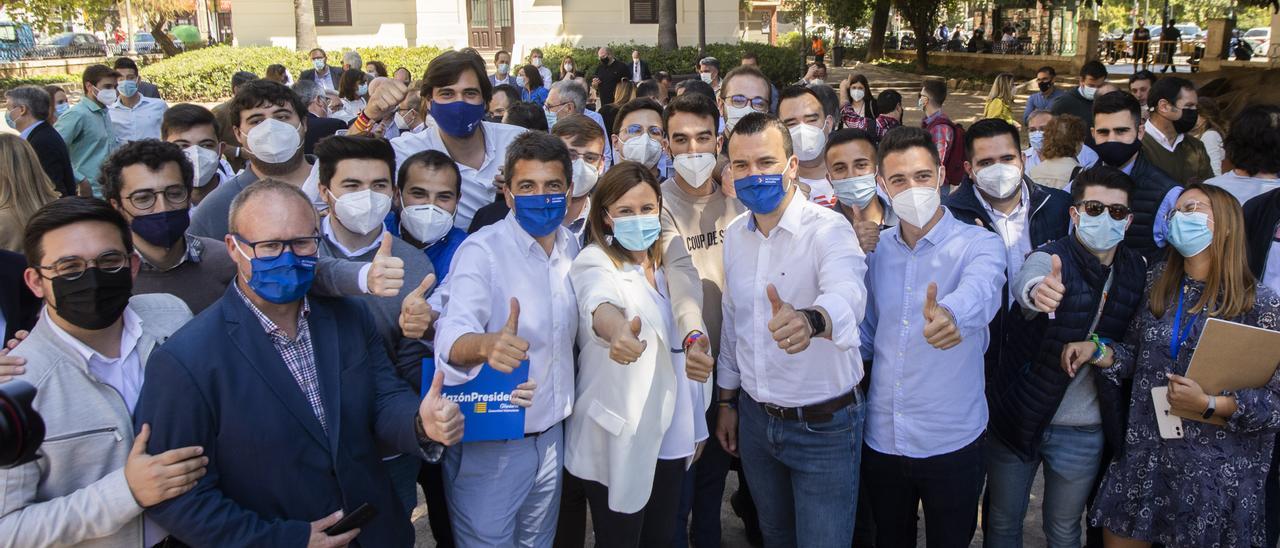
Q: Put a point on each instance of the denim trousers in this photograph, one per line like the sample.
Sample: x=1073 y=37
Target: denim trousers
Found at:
x=1071 y=456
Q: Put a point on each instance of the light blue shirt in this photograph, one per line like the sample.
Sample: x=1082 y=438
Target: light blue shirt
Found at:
x=925 y=401
x=26 y=132
x=1037 y=101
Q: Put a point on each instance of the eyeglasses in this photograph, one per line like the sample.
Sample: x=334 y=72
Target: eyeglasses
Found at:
x=590 y=157
x=636 y=129
x=758 y=104
x=71 y=268
x=1094 y=208
x=270 y=249
x=1192 y=206
x=552 y=107
x=174 y=195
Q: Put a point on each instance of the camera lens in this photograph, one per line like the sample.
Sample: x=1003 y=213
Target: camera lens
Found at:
x=21 y=428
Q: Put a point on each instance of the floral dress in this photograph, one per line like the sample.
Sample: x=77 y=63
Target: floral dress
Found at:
x=1206 y=489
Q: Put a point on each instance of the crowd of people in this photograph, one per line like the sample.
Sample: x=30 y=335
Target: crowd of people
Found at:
x=240 y=321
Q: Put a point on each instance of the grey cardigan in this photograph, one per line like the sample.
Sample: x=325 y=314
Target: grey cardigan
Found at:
x=75 y=492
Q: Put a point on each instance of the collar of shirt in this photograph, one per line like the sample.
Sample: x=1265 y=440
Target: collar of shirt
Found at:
x=269 y=326
x=195 y=249
x=1159 y=136
x=327 y=229
x=91 y=105
x=1024 y=204
x=790 y=220
x=27 y=132
x=930 y=118
x=143 y=101
x=128 y=339
x=530 y=246
x=940 y=231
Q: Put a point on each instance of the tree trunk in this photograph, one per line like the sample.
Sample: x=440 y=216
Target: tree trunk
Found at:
x=304 y=22
x=667 y=25
x=162 y=38
x=879 y=27
x=921 y=28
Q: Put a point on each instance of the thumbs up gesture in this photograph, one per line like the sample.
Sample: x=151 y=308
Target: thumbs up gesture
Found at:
x=416 y=315
x=626 y=347
x=440 y=416
x=790 y=328
x=868 y=235
x=1047 y=294
x=698 y=362
x=386 y=275
x=505 y=349
x=387 y=99
x=940 y=329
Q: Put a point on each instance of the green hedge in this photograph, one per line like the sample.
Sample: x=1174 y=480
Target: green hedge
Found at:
x=37 y=80
x=205 y=74
x=779 y=64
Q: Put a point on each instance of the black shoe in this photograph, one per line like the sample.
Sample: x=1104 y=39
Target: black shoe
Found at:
x=746 y=511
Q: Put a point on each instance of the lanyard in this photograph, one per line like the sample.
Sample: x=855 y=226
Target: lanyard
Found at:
x=1102 y=303
x=1180 y=332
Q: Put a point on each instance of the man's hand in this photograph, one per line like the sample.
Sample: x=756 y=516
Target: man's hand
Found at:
x=505 y=349
x=1047 y=294
x=440 y=416
x=1075 y=355
x=386 y=276
x=12 y=366
x=940 y=329
x=727 y=429
x=1186 y=395
x=320 y=540
x=698 y=362
x=416 y=315
x=868 y=235
x=155 y=479
x=386 y=99
x=626 y=347
x=523 y=394
x=790 y=328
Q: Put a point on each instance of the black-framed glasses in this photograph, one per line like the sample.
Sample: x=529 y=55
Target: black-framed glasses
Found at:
x=589 y=157
x=636 y=129
x=270 y=249
x=174 y=195
x=758 y=104
x=1093 y=208
x=71 y=268
x=553 y=108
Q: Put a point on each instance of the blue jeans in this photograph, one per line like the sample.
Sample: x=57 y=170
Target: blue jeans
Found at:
x=1072 y=456
x=803 y=475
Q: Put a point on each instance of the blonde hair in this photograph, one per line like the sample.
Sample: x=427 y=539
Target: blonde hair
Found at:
x=1002 y=89
x=24 y=187
x=625 y=92
x=1230 y=287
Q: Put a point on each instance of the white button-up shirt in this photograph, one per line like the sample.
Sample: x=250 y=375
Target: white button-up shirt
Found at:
x=925 y=401
x=123 y=373
x=1014 y=230
x=1159 y=136
x=493 y=265
x=477 y=184
x=142 y=121
x=813 y=259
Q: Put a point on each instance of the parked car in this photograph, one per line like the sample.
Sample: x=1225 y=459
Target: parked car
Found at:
x=16 y=40
x=1189 y=31
x=1259 y=38
x=72 y=44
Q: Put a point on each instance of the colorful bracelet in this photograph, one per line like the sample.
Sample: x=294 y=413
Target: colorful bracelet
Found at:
x=692 y=338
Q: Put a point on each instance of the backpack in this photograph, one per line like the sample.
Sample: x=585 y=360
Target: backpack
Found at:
x=954 y=162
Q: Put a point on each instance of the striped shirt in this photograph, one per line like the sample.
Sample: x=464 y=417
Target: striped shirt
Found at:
x=298 y=354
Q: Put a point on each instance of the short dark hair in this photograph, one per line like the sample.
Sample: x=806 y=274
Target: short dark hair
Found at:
x=95 y=73
x=430 y=159
x=697 y=87
x=1093 y=69
x=513 y=94
x=830 y=101
x=526 y=115
x=648 y=88
x=125 y=63
x=643 y=103
x=745 y=71
x=758 y=122
x=903 y=138
x=256 y=93
x=537 y=146
x=532 y=77
x=184 y=116
x=710 y=62
x=1143 y=74
x=579 y=129
x=1052 y=72
x=692 y=103
x=848 y=135
x=1168 y=88
x=749 y=55
x=662 y=76
x=243 y=77
x=936 y=90
x=496 y=54
x=1254 y=138
x=336 y=148
x=1117 y=101
x=1100 y=175
x=68 y=211
x=796 y=91
x=447 y=67
x=888 y=101
x=987 y=129
x=152 y=153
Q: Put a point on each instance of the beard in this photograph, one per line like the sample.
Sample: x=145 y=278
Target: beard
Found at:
x=277 y=170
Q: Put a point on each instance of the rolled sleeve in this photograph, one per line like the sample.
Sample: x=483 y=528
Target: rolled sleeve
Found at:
x=1160 y=225
x=727 y=375
x=466 y=311
x=976 y=299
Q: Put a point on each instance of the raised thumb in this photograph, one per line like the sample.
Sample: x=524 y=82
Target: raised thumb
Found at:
x=426 y=284
x=774 y=299
x=635 y=326
x=384 y=250
x=1057 y=267
x=513 y=318
x=930 y=300
x=437 y=383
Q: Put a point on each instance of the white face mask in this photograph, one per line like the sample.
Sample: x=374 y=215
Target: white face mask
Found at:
x=808 y=141
x=817 y=82
x=917 y=205
x=584 y=178
x=520 y=81
x=706 y=76
x=732 y=114
x=642 y=148
x=568 y=67
x=107 y=97
x=857 y=94
x=401 y=123
x=536 y=61
x=362 y=211
x=1088 y=92
x=273 y=141
x=855 y=191
x=695 y=168
x=426 y=223
x=999 y=180
x=204 y=162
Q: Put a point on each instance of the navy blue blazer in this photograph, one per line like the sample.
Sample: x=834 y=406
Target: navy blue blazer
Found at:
x=219 y=383
x=18 y=305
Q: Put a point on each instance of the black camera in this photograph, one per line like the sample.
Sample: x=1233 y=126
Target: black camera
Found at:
x=21 y=428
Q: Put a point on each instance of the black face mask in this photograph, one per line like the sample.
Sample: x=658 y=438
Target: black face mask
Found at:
x=1187 y=121
x=95 y=300
x=1045 y=86
x=1115 y=153
x=604 y=60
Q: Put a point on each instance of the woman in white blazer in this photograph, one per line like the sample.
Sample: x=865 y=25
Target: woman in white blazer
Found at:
x=637 y=418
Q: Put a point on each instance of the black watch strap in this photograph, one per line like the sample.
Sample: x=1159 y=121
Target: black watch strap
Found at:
x=816 y=322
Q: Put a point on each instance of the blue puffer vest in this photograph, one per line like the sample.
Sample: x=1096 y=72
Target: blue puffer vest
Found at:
x=1029 y=383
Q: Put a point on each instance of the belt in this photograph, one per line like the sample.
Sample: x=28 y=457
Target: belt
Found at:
x=170 y=542
x=817 y=412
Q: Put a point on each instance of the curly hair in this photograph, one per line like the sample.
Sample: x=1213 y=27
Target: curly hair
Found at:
x=1254 y=138
x=1063 y=136
x=152 y=153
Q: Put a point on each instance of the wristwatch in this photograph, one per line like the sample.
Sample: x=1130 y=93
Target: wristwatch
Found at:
x=1213 y=407
x=432 y=450
x=816 y=322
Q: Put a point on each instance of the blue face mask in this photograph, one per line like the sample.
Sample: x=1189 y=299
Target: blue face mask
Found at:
x=551 y=117
x=128 y=88
x=362 y=89
x=459 y=118
x=1036 y=138
x=319 y=64
x=761 y=193
x=1190 y=233
x=162 y=229
x=540 y=214
x=9 y=120
x=1100 y=233
x=637 y=232
x=62 y=108
x=283 y=279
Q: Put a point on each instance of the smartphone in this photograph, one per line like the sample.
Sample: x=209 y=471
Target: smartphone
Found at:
x=354 y=520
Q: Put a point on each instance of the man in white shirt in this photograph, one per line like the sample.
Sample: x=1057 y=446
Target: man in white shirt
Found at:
x=134 y=116
x=802 y=112
x=535 y=59
x=788 y=373
x=459 y=90
x=508 y=303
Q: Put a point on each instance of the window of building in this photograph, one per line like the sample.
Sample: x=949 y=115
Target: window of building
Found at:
x=644 y=11
x=330 y=13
